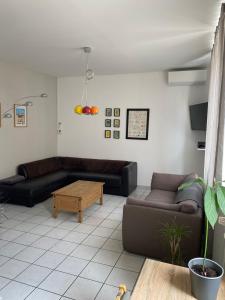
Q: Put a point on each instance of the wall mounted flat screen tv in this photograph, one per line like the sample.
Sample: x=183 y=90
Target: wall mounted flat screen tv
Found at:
x=198 y=116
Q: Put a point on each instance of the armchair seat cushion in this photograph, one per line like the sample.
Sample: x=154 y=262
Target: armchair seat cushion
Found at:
x=109 y=179
x=161 y=196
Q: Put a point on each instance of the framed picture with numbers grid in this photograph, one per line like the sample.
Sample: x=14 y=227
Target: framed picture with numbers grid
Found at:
x=137 y=123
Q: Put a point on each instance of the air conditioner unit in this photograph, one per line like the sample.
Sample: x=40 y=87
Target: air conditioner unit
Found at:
x=187 y=77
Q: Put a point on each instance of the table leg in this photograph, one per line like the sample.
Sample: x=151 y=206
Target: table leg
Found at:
x=80 y=220
x=55 y=210
x=101 y=196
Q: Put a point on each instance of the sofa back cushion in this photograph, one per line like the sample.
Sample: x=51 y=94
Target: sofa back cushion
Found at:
x=93 y=165
x=166 y=182
x=193 y=193
x=39 y=167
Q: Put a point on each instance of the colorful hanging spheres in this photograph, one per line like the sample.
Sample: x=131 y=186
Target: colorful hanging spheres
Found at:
x=78 y=109
x=86 y=110
x=94 y=110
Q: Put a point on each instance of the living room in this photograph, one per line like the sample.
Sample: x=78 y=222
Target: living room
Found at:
x=146 y=57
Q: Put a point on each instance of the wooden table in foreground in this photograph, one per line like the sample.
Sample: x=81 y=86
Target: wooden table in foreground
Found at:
x=161 y=281
x=77 y=196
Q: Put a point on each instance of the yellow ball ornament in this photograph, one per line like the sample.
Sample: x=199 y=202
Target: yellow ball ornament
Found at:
x=78 y=109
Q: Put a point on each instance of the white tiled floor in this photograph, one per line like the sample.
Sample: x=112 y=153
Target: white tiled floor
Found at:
x=51 y=259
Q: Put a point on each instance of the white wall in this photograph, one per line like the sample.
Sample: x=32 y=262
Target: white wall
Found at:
x=39 y=139
x=171 y=146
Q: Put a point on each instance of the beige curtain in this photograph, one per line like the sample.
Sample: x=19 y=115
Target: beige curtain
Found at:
x=215 y=122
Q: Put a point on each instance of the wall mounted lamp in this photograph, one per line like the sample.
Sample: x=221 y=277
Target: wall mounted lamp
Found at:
x=7 y=115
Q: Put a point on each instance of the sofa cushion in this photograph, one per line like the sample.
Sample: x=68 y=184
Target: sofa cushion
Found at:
x=109 y=179
x=34 y=187
x=39 y=167
x=71 y=163
x=12 y=180
x=188 y=206
x=153 y=204
x=103 y=166
x=161 y=196
x=166 y=182
x=194 y=193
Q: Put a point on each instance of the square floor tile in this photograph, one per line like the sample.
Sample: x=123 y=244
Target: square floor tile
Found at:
x=16 y=291
x=109 y=292
x=83 y=289
x=93 y=221
x=3 y=243
x=57 y=282
x=25 y=226
x=33 y=275
x=130 y=262
x=75 y=237
x=45 y=242
x=85 y=252
x=11 y=249
x=3 y=259
x=38 y=294
x=40 y=229
x=116 y=235
x=12 y=268
x=116 y=216
x=52 y=222
x=10 y=223
x=37 y=219
x=21 y=217
x=95 y=271
x=57 y=233
x=106 y=257
x=94 y=241
x=102 y=231
x=85 y=228
x=10 y=235
x=113 y=245
x=110 y=223
x=27 y=239
x=64 y=247
x=30 y=254
x=50 y=260
x=72 y=265
x=3 y=282
x=127 y=277
x=69 y=225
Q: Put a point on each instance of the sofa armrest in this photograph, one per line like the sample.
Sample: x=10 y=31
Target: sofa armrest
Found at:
x=166 y=182
x=129 y=178
x=141 y=229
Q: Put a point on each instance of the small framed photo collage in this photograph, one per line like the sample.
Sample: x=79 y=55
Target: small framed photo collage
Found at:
x=112 y=119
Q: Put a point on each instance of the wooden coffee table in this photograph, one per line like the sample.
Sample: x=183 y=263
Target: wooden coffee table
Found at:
x=77 y=196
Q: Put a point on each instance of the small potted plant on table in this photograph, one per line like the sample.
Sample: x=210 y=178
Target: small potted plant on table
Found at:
x=206 y=274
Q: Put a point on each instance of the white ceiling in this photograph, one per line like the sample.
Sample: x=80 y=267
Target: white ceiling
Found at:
x=127 y=35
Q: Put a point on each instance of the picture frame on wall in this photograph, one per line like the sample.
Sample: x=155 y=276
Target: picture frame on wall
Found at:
x=116 y=134
x=117 y=112
x=108 y=112
x=116 y=123
x=137 y=123
x=108 y=123
x=107 y=134
x=20 y=115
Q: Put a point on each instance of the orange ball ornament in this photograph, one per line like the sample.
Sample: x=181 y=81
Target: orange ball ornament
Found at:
x=78 y=109
x=94 y=110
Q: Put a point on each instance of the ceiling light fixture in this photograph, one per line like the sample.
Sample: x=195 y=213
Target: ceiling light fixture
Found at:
x=89 y=75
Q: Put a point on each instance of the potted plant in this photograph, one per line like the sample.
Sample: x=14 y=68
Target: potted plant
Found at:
x=206 y=274
x=174 y=233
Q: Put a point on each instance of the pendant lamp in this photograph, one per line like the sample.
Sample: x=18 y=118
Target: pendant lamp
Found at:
x=81 y=109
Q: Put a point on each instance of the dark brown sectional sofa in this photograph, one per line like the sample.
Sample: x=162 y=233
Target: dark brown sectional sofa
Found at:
x=143 y=219
x=36 y=180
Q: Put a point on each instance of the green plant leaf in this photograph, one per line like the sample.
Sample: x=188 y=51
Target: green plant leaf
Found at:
x=210 y=206
x=220 y=192
x=185 y=185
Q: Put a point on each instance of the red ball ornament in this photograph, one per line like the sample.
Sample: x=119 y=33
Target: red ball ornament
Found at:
x=86 y=110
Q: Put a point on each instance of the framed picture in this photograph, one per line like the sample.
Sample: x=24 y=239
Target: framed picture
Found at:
x=108 y=112
x=116 y=134
x=116 y=123
x=117 y=112
x=107 y=134
x=137 y=124
x=20 y=115
x=108 y=123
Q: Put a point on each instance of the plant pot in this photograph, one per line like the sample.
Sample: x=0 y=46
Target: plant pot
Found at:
x=205 y=288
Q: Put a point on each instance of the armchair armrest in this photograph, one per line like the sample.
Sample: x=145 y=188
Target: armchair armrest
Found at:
x=129 y=178
x=166 y=182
